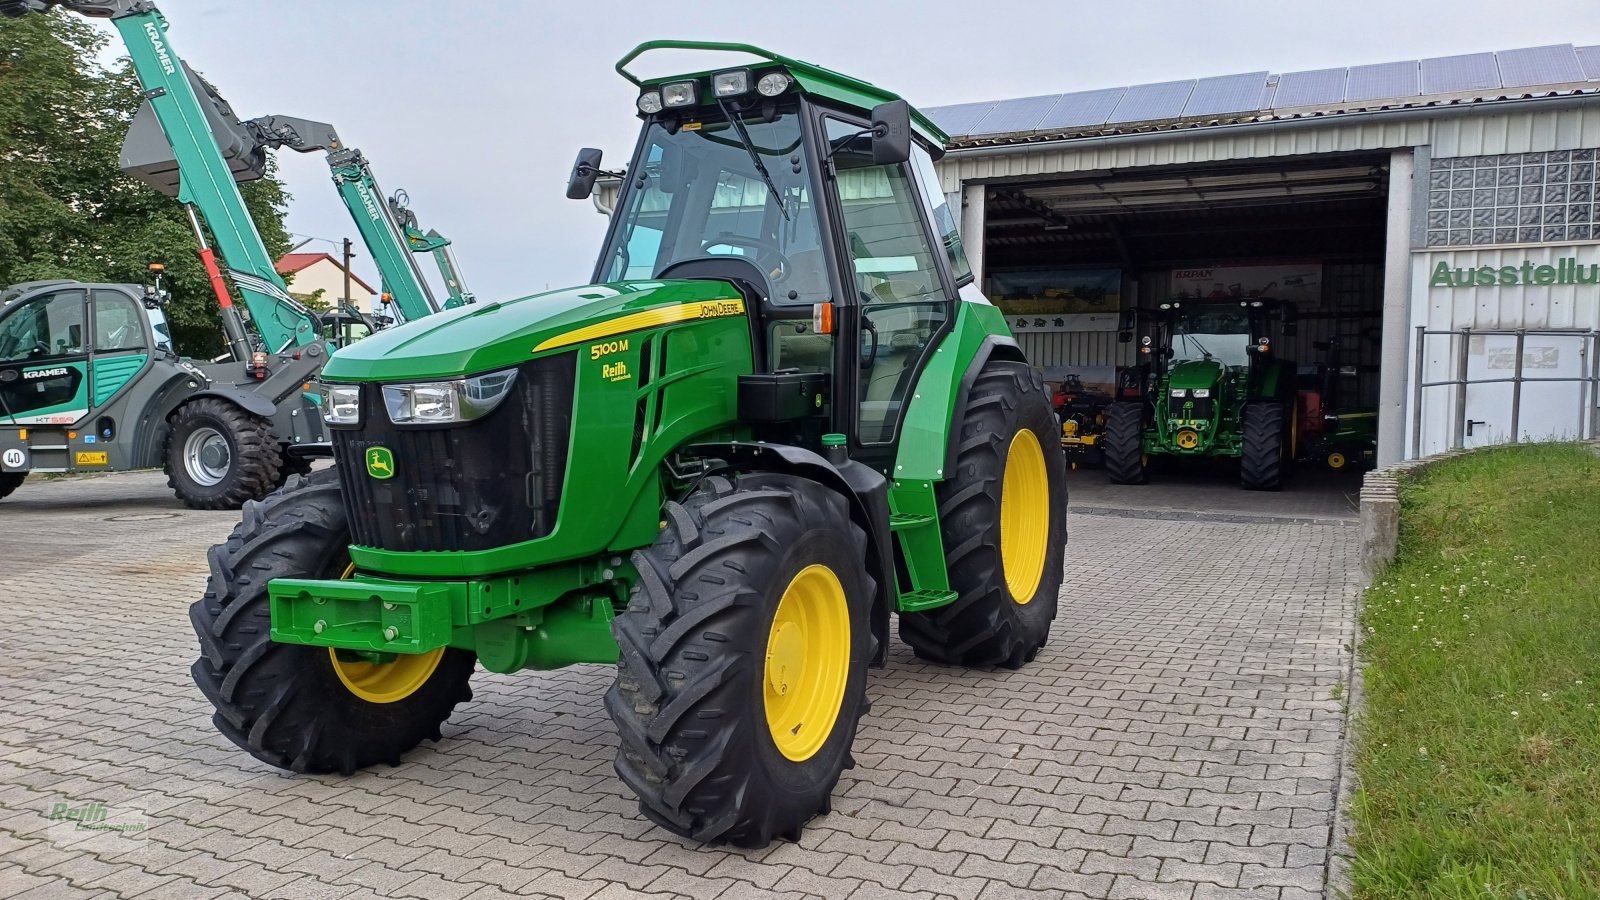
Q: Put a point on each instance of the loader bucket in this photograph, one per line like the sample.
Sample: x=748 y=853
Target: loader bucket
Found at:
x=147 y=156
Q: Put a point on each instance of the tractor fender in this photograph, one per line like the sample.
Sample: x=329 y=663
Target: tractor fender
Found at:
x=995 y=346
x=865 y=488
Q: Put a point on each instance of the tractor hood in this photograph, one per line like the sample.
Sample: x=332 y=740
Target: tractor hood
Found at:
x=1196 y=373
x=483 y=337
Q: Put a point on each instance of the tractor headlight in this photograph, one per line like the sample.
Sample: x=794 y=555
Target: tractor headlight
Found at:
x=1179 y=393
x=1202 y=393
x=650 y=102
x=341 y=404
x=773 y=83
x=678 y=93
x=447 y=402
x=731 y=84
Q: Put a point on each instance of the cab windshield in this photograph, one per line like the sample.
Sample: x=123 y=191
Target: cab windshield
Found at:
x=698 y=193
x=1222 y=335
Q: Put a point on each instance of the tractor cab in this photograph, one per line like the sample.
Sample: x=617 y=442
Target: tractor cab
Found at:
x=828 y=220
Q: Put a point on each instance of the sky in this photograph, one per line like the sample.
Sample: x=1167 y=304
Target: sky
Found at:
x=478 y=109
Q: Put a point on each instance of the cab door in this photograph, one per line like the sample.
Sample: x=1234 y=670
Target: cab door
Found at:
x=901 y=299
x=44 y=359
x=121 y=344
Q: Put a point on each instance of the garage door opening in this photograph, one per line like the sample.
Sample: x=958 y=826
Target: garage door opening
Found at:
x=1100 y=273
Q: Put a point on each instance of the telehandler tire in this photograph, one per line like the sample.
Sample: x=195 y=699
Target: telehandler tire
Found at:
x=9 y=483
x=297 y=707
x=1002 y=512
x=1122 y=444
x=1263 y=453
x=219 y=456
x=744 y=654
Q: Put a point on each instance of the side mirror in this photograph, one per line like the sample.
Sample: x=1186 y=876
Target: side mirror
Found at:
x=891 y=133
x=1124 y=337
x=580 y=185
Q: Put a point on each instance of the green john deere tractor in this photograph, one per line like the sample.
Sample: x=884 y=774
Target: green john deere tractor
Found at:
x=1213 y=387
x=781 y=412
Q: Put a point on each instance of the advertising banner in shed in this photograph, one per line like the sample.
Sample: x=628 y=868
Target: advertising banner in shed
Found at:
x=1058 y=299
x=1299 y=283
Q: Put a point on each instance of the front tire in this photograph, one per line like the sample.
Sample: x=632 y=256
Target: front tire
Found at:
x=1122 y=444
x=9 y=483
x=1264 y=447
x=297 y=707
x=219 y=456
x=744 y=653
x=1002 y=513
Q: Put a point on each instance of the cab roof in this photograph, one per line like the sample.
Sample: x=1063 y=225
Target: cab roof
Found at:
x=809 y=77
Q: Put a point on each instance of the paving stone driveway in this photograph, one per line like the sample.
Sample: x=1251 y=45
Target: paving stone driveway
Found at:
x=1178 y=737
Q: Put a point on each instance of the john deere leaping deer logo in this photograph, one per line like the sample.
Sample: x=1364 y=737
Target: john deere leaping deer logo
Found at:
x=380 y=463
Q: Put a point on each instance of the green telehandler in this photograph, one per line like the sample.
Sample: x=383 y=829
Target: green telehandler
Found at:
x=781 y=412
x=1212 y=386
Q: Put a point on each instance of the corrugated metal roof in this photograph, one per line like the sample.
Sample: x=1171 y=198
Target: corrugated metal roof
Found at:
x=1261 y=97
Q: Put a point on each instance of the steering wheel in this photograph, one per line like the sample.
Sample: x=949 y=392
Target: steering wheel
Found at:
x=776 y=275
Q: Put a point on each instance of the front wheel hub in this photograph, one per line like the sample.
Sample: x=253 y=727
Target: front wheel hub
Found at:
x=807 y=662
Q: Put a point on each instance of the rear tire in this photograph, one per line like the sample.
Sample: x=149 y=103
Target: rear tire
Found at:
x=989 y=624
x=219 y=456
x=286 y=704
x=1122 y=444
x=1263 y=451
x=9 y=483
x=694 y=699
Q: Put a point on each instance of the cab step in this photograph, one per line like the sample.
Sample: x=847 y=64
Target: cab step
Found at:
x=903 y=521
x=917 y=601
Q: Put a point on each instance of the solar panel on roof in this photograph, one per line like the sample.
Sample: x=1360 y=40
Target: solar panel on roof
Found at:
x=1083 y=108
x=1589 y=58
x=1383 y=81
x=1226 y=94
x=1454 y=74
x=1011 y=116
x=1555 y=64
x=1149 y=102
x=960 y=119
x=1313 y=88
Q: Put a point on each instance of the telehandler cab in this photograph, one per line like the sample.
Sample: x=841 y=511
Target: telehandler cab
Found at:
x=781 y=412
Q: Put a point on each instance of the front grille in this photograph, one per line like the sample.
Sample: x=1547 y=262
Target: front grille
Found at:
x=474 y=486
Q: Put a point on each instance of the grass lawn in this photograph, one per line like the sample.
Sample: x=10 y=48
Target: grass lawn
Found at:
x=1478 y=752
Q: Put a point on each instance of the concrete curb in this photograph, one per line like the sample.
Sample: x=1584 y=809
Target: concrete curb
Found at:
x=1380 y=511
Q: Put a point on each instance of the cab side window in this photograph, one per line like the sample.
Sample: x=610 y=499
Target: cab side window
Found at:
x=44 y=328
x=118 y=323
x=944 y=221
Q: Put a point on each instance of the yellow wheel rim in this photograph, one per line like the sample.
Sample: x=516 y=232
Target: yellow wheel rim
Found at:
x=385 y=682
x=807 y=662
x=1024 y=516
x=1336 y=460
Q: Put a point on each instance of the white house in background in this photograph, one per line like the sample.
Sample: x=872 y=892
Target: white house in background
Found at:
x=309 y=272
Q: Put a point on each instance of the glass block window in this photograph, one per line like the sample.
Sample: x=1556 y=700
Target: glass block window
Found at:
x=1513 y=198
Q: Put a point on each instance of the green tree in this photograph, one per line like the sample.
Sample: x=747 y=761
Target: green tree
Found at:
x=66 y=209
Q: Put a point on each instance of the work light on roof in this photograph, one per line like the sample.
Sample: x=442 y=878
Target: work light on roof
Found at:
x=773 y=83
x=731 y=84
x=676 y=94
x=650 y=102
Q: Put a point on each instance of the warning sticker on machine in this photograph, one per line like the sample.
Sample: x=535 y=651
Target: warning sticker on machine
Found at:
x=91 y=459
